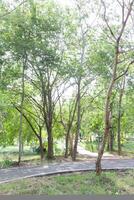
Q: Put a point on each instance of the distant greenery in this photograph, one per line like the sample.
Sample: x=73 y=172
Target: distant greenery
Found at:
x=6 y=163
x=91 y=146
x=127 y=147
x=110 y=183
x=9 y=156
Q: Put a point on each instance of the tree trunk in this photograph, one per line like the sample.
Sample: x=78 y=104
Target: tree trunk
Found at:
x=106 y=131
x=41 y=144
x=67 y=144
x=78 y=123
x=22 y=148
x=21 y=115
x=107 y=115
x=111 y=142
x=41 y=149
x=69 y=129
x=50 y=154
x=71 y=145
x=119 y=116
x=119 y=130
x=110 y=137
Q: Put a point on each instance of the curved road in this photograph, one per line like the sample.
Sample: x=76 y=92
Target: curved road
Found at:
x=12 y=174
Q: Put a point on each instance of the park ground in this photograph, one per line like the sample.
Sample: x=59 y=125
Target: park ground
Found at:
x=113 y=182
x=109 y=183
x=9 y=154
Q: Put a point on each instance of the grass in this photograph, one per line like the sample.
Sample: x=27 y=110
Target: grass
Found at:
x=109 y=183
x=91 y=146
x=6 y=163
x=11 y=152
x=9 y=156
x=127 y=147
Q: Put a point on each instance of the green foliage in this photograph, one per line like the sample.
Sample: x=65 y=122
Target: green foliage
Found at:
x=57 y=49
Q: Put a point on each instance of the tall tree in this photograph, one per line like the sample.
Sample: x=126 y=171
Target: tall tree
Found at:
x=117 y=42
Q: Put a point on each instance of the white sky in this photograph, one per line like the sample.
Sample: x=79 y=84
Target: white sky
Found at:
x=66 y=2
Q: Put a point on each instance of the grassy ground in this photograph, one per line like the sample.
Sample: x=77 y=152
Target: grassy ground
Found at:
x=110 y=183
x=9 y=155
x=127 y=148
x=11 y=152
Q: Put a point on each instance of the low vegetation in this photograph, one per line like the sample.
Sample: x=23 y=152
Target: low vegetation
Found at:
x=110 y=183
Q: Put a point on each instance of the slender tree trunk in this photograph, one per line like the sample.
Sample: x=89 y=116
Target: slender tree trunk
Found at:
x=108 y=143
x=50 y=124
x=78 y=123
x=119 y=115
x=67 y=143
x=67 y=140
x=71 y=144
x=69 y=129
x=110 y=137
x=107 y=115
x=41 y=149
x=22 y=148
x=111 y=142
x=41 y=144
x=106 y=131
x=119 y=130
x=50 y=154
x=114 y=78
x=21 y=114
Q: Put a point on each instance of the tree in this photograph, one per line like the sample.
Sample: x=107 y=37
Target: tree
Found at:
x=115 y=77
x=122 y=87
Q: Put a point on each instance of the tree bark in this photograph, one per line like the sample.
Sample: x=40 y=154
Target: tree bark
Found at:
x=111 y=142
x=71 y=145
x=66 y=144
x=41 y=149
x=21 y=114
x=107 y=114
x=110 y=137
x=41 y=144
x=120 y=115
x=71 y=119
x=50 y=154
x=78 y=122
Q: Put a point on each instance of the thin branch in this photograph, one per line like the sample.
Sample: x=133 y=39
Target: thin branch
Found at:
x=124 y=71
x=30 y=124
x=125 y=21
x=9 y=12
x=107 y=20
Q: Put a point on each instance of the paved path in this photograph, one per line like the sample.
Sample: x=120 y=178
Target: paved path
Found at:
x=7 y=175
x=90 y=154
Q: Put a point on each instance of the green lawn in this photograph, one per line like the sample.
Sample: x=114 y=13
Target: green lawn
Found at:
x=127 y=147
x=110 y=183
x=9 y=156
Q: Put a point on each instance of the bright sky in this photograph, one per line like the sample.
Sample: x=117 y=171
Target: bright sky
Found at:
x=66 y=2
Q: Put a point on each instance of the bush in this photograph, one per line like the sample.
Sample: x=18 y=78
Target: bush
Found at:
x=91 y=146
x=6 y=163
x=37 y=150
